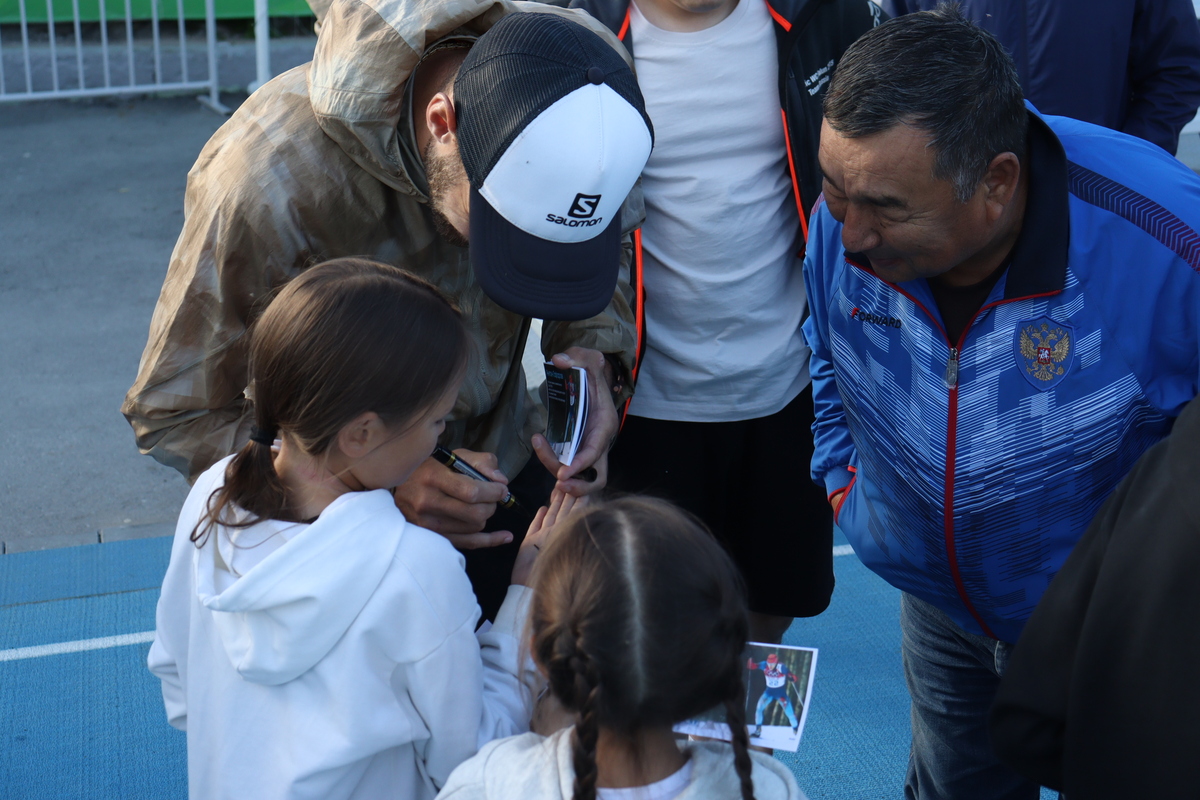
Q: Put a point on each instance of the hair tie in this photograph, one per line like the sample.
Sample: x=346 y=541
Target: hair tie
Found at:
x=263 y=435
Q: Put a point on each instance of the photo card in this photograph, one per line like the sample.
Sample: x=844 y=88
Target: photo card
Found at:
x=567 y=410
x=779 y=682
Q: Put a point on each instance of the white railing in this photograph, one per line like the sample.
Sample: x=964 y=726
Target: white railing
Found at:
x=262 y=45
x=167 y=62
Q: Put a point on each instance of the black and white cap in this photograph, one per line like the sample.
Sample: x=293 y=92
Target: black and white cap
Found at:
x=553 y=134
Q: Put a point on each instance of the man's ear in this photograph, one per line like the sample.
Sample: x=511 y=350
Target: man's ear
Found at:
x=361 y=435
x=440 y=119
x=1000 y=183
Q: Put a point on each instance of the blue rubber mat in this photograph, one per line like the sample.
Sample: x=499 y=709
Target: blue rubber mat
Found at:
x=90 y=723
x=84 y=724
x=856 y=738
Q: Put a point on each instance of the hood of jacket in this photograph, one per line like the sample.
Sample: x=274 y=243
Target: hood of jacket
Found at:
x=284 y=614
x=367 y=51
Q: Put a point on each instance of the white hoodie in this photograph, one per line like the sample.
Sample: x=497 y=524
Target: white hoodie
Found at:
x=331 y=660
x=533 y=767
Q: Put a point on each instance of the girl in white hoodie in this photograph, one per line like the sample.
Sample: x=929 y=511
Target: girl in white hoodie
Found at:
x=311 y=642
x=639 y=622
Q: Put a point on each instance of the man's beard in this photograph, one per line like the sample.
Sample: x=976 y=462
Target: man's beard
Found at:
x=444 y=173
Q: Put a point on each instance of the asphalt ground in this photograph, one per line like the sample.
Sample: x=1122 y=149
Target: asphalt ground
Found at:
x=91 y=201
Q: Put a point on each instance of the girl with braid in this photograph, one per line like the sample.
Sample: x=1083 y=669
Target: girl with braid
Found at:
x=638 y=622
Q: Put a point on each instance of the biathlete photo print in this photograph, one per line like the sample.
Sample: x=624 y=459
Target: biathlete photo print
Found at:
x=778 y=689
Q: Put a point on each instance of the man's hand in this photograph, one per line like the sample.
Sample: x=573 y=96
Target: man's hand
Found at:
x=835 y=499
x=598 y=436
x=750 y=663
x=541 y=530
x=457 y=507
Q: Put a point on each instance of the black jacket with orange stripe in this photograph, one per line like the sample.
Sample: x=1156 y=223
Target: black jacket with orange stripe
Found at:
x=811 y=36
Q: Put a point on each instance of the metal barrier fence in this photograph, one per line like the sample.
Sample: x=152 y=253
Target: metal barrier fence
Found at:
x=44 y=66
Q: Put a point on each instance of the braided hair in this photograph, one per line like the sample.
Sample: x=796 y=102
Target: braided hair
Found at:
x=639 y=620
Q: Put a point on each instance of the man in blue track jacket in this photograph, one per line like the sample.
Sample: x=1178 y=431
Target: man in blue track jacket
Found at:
x=1005 y=313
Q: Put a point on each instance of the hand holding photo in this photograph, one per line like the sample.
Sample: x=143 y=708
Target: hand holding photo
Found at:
x=778 y=689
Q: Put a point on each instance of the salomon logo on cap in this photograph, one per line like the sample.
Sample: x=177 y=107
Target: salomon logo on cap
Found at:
x=584 y=206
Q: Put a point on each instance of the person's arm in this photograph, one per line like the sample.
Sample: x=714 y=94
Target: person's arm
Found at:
x=462 y=703
x=508 y=686
x=833 y=449
x=239 y=244
x=170 y=638
x=172 y=616
x=490 y=692
x=1164 y=71
x=605 y=346
x=187 y=406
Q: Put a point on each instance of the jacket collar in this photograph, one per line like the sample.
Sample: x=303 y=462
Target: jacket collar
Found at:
x=1038 y=264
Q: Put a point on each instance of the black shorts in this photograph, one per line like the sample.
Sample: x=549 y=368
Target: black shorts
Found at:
x=749 y=482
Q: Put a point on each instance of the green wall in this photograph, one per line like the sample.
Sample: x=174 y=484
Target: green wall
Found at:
x=89 y=10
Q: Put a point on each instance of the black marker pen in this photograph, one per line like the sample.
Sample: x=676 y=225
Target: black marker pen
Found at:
x=463 y=468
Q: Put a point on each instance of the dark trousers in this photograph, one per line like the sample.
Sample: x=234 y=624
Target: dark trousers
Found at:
x=952 y=677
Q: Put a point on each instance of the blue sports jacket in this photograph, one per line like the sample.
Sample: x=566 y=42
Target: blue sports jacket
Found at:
x=1129 y=65
x=974 y=466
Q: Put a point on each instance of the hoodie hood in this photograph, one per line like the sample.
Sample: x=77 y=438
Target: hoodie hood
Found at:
x=283 y=615
x=366 y=53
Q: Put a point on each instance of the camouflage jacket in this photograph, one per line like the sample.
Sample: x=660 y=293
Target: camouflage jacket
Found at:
x=317 y=164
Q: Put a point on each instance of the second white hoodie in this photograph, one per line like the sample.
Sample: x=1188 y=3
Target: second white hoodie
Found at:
x=330 y=660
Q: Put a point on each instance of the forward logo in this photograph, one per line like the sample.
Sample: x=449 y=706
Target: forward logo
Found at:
x=874 y=319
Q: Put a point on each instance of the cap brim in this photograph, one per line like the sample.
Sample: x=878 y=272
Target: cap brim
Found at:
x=535 y=277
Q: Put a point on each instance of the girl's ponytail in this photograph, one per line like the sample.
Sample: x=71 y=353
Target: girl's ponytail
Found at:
x=735 y=717
x=251 y=483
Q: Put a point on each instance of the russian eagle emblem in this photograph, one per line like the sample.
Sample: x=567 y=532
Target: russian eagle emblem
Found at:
x=1045 y=347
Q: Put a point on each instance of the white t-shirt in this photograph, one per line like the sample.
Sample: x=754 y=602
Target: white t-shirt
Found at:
x=724 y=289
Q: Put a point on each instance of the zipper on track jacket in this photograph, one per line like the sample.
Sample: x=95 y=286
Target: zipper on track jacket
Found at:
x=951 y=381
